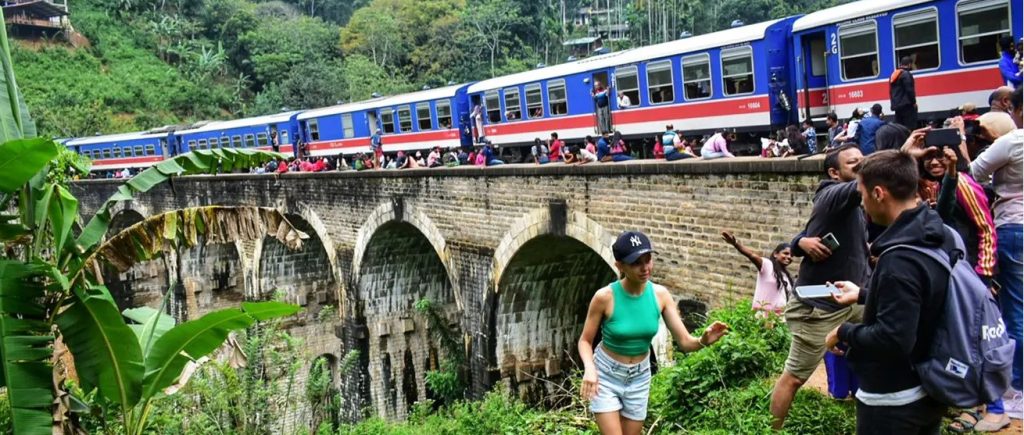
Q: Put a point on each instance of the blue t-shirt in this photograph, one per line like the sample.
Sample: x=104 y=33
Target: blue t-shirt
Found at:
x=375 y=141
x=601 y=98
x=602 y=148
x=1009 y=70
x=866 y=133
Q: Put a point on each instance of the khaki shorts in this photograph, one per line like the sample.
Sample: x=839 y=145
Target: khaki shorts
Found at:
x=809 y=326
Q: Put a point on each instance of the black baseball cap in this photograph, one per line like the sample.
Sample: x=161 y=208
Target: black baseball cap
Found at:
x=630 y=246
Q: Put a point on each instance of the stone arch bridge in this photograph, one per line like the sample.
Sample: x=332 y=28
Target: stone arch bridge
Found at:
x=508 y=256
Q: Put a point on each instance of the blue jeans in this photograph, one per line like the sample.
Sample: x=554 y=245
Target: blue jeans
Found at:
x=676 y=155
x=1011 y=240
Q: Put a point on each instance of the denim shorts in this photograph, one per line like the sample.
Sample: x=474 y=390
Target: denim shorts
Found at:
x=621 y=387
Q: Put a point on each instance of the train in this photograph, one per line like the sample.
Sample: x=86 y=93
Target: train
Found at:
x=754 y=78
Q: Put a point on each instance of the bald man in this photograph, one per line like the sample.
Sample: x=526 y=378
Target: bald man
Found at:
x=999 y=100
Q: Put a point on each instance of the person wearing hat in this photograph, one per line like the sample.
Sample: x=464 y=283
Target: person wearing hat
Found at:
x=617 y=372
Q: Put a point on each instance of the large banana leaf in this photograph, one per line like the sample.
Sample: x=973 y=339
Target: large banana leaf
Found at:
x=196 y=162
x=151 y=324
x=192 y=340
x=25 y=351
x=106 y=353
x=188 y=227
x=20 y=159
x=14 y=120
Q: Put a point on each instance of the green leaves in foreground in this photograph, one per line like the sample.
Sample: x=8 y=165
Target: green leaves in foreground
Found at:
x=195 y=339
x=21 y=159
x=25 y=351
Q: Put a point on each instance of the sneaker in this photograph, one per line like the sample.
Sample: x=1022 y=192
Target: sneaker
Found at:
x=1012 y=403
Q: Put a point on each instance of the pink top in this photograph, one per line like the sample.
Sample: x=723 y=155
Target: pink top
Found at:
x=767 y=295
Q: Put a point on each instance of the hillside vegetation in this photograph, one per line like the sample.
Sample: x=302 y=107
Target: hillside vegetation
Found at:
x=158 y=62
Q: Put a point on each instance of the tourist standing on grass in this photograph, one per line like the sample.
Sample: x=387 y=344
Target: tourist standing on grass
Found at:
x=617 y=372
x=773 y=280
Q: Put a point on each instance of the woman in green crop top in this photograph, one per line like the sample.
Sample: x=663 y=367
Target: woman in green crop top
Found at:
x=617 y=373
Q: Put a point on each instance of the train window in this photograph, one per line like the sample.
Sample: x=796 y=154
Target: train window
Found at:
x=405 y=119
x=138 y=150
x=697 y=77
x=346 y=127
x=738 y=71
x=980 y=24
x=284 y=137
x=128 y=152
x=250 y=141
x=314 y=129
x=513 y=108
x=659 y=82
x=106 y=153
x=202 y=144
x=626 y=82
x=534 y=101
x=213 y=143
x=916 y=34
x=262 y=140
x=444 y=113
x=387 y=120
x=117 y=152
x=858 y=50
x=191 y=145
x=423 y=117
x=493 y=107
x=236 y=141
x=556 y=98
x=150 y=150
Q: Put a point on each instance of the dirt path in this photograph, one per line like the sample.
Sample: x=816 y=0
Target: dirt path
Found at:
x=819 y=381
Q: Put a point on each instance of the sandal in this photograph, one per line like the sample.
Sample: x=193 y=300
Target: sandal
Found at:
x=989 y=426
x=965 y=422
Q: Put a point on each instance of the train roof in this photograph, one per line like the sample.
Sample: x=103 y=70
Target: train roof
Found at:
x=91 y=140
x=242 y=122
x=412 y=97
x=671 y=48
x=849 y=11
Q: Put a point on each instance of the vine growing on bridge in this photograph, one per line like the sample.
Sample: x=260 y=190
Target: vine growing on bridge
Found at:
x=448 y=383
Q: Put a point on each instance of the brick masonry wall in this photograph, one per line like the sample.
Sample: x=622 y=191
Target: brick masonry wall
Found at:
x=475 y=252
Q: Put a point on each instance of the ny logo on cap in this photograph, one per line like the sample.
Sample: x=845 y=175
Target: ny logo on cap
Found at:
x=635 y=241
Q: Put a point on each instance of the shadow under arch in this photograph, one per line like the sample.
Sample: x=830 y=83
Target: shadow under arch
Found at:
x=306 y=276
x=398 y=268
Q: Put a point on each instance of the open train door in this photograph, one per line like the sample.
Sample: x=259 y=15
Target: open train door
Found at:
x=602 y=115
x=814 y=70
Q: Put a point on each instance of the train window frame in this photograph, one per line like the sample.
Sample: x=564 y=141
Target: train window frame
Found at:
x=150 y=150
x=505 y=96
x=911 y=18
x=139 y=151
x=552 y=102
x=214 y=143
x=192 y=145
x=313 y=128
x=201 y=144
x=660 y=66
x=698 y=59
x=348 y=129
x=282 y=138
x=236 y=141
x=534 y=88
x=262 y=140
x=447 y=104
x=626 y=71
x=106 y=153
x=492 y=114
x=388 y=126
x=250 y=140
x=858 y=29
x=420 y=118
x=975 y=6
x=737 y=53
x=116 y=152
x=404 y=121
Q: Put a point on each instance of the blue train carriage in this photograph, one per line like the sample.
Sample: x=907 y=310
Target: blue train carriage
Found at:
x=119 y=151
x=846 y=54
x=728 y=79
x=413 y=121
x=258 y=132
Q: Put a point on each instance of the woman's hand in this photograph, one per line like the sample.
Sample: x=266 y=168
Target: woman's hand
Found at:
x=949 y=159
x=729 y=238
x=915 y=147
x=589 y=387
x=713 y=333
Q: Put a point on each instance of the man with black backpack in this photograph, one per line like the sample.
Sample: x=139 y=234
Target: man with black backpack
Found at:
x=921 y=295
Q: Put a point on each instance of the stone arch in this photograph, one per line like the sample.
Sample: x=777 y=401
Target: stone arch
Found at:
x=546 y=269
x=396 y=265
x=396 y=210
x=144 y=283
x=307 y=276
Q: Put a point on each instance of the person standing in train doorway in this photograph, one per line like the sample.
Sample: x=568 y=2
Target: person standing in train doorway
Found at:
x=602 y=108
x=902 y=94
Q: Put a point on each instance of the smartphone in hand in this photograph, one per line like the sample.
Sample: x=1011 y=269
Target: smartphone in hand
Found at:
x=830 y=242
x=942 y=137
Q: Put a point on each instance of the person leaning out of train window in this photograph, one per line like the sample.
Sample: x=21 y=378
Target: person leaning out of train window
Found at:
x=1007 y=66
x=539 y=152
x=717 y=146
x=624 y=102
